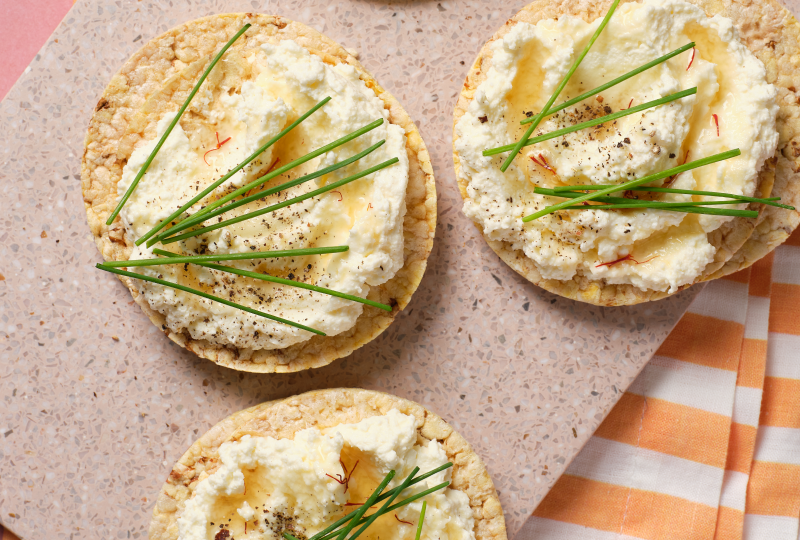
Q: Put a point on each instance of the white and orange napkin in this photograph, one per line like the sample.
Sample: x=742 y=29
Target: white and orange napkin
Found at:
x=705 y=445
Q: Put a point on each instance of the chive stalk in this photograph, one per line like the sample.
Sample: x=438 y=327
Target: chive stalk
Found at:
x=622 y=202
x=421 y=519
x=382 y=510
x=677 y=208
x=364 y=507
x=278 y=206
x=196 y=220
x=282 y=281
x=609 y=84
x=299 y=161
x=172 y=125
x=214 y=185
x=591 y=123
x=229 y=257
x=184 y=288
x=320 y=535
x=635 y=183
x=769 y=200
x=395 y=506
x=535 y=123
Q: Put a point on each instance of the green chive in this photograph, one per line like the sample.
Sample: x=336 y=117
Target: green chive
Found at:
x=191 y=221
x=208 y=296
x=288 y=536
x=282 y=281
x=535 y=123
x=421 y=519
x=172 y=125
x=635 y=183
x=382 y=510
x=595 y=122
x=677 y=208
x=417 y=496
x=615 y=82
x=363 y=508
x=636 y=202
x=352 y=514
x=769 y=200
x=395 y=506
x=233 y=171
x=283 y=204
x=299 y=161
x=230 y=257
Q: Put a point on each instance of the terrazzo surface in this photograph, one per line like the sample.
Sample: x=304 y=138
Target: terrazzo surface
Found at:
x=97 y=403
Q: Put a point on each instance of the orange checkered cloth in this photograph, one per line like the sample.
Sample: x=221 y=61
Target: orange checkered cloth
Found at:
x=705 y=444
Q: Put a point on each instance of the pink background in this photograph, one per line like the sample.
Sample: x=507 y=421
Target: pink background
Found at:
x=96 y=404
x=24 y=27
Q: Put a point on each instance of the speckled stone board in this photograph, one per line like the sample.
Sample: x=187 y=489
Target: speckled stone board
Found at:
x=96 y=403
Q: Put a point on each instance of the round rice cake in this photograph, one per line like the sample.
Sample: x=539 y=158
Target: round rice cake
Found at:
x=773 y=35
x=156 y=80
x=322 y=409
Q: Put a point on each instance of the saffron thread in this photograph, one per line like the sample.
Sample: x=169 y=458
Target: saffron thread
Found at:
x=402 y=521
x=344 y=480
x=547 y=165
x=716 y=122
x=692 y=59
x=219 y=145
x=625 y=258
x=543 y=164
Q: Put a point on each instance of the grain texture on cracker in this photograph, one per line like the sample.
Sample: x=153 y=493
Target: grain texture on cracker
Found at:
x=154 y=81
x=324 y=409
x=771 y=33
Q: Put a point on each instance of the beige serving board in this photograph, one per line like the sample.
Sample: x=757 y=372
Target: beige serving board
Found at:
x=96 y=404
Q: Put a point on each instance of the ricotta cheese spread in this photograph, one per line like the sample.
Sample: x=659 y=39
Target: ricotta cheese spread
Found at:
x=303 y=485
x=367 y=215
x=661 y=250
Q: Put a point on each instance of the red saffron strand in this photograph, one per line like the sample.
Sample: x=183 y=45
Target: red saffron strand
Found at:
x=337 y=478
x=692 y=60
x=547 y=165
x=544 y=165
x=625 y=258
x=343 y=480
x=219 y=145
x=341 y=198
x=402 y=521
x=349 y=474
x=716 y=122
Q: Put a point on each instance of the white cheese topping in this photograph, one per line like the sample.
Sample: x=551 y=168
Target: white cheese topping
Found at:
x=366 y=215
x=302 y=485
x=666 y=249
